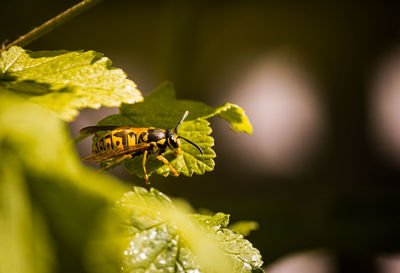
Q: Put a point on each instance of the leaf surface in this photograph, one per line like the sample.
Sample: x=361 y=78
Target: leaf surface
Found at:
x=162 y=239
x=244 y=227
x=65 y=81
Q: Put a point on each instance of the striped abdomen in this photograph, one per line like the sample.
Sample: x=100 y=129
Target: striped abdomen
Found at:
x=116 y=140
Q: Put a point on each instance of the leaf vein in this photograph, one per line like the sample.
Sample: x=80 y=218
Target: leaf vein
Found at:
x=13 y=62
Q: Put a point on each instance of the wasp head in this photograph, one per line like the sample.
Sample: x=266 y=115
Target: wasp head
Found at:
x=173 y=138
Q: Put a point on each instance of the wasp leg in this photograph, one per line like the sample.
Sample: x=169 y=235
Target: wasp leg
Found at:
x=165 y=161
x=144 y=167
x=115 y=162
x=177 y=151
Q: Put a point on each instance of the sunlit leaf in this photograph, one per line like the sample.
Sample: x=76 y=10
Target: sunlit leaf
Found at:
x=244 y=227
x=160 y=238
x=65 y=81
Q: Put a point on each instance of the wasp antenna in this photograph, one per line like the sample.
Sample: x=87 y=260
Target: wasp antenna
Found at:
x=182 y=119
x=194 y=144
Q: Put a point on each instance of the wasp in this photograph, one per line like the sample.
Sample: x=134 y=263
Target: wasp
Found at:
x=120 y=143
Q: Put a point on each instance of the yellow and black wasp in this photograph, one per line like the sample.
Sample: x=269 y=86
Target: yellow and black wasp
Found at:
x=126 y=142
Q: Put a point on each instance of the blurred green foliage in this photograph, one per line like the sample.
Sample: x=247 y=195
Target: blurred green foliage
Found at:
x=244 y=227
x=52 y=207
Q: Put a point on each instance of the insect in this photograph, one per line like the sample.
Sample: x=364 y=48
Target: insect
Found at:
x=126 y=142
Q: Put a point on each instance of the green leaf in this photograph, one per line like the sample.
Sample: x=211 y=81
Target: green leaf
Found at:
x=65 y=81
x=161 y=238
x=161 y=109
x=244 y=227
x=246 y=258
x=54 y=213
x=23 y=235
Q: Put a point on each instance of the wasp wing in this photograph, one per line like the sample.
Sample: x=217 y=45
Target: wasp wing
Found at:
x=94 y=129
x=133 y=149
x=113 y=154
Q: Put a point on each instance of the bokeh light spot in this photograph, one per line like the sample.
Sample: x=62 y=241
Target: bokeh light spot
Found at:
x=279 y=98
x=385 y=107
x=305 y=262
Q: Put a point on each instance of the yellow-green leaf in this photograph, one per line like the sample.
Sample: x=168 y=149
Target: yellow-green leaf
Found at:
x=65 y=81
x=162 y=238
x=53 y=210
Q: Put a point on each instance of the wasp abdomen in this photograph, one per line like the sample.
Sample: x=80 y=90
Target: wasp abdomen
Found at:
x=115 y=140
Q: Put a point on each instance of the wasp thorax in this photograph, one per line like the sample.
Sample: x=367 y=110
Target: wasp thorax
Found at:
x=155 y=135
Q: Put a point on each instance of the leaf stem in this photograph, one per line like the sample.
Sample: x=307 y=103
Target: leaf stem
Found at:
x=52 y=24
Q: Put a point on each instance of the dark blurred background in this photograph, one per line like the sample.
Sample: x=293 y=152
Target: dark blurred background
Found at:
x=321 y=85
